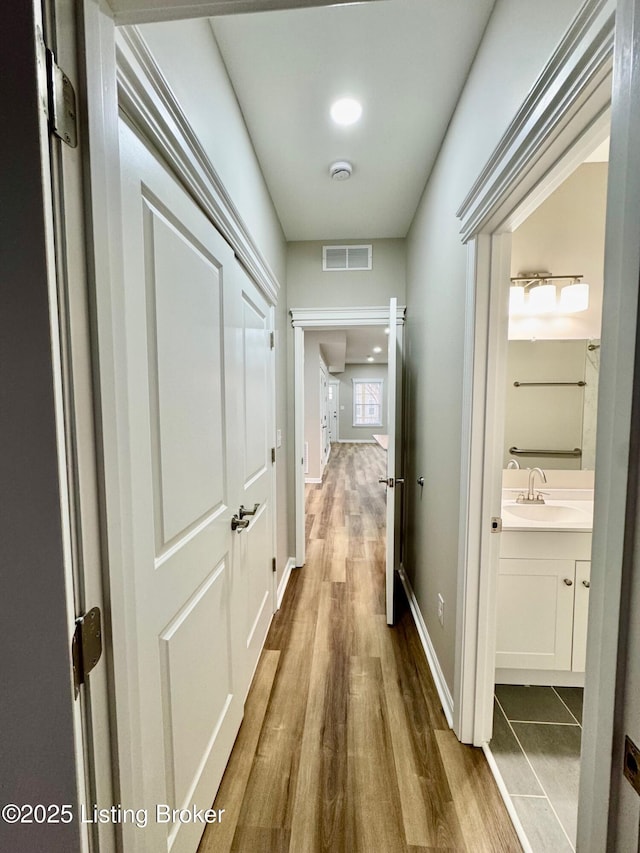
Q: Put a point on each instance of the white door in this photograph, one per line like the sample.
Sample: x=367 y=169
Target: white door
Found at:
x=333 y=410
x=325 y=445
x=395 y=477
x=254 y=570
x=178 y=669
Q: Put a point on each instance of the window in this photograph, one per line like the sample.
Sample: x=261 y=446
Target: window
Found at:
x=367 y=402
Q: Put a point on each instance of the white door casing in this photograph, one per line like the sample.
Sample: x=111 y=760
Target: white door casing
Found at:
x=182 y=666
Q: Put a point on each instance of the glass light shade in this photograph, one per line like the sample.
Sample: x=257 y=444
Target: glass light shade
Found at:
x=574 y=298
x=346 y=111
x=542 y=298
x=516 y=299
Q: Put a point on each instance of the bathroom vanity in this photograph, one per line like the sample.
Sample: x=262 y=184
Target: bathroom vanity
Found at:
x=543 y=589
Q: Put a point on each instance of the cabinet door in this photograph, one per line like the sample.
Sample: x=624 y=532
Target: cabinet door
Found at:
x=581 y=615
x=535 y=614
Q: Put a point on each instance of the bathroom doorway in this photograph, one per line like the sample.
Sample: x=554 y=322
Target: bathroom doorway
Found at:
x=550 y=389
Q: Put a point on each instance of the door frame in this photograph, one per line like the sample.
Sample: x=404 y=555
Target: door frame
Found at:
x=319 y=319
x=564 y=116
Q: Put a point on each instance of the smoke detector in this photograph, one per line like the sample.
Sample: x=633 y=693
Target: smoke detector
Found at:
x=340 y=170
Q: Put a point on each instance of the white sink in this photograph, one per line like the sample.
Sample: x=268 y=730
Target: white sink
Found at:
x=553 y=513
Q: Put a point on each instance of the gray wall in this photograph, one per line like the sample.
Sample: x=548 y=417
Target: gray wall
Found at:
x=189 y=57
x=518 y=41
x=310 y=287
x=346 y=430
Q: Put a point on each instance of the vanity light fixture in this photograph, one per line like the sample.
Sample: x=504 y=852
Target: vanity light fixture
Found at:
x=534 y=293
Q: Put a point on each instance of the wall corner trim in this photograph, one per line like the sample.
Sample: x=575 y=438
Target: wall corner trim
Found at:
x=577 y=79
x=284 y=580
x=148 y=103
x=444 y=693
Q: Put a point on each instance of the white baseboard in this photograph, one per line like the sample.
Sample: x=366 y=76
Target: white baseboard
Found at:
x=446 y=699
x=544 y=677
x=284 y=580
x=313 y=479
x=513 y=814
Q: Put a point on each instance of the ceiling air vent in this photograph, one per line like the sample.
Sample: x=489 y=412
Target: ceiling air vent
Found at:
x=343 y=258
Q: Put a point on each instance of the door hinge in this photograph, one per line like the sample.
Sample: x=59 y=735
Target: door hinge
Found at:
x=273 y=564
x=86 y=646
x=273 y=455
x=62 y=103
x=272 y=340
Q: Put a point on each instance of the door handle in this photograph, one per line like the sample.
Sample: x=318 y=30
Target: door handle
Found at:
x=238 y=525
x=586 y=584
x=242 y=511
x=387 y=482
x=568 y=581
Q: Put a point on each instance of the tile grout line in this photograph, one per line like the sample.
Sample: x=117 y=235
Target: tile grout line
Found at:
x=542 y=788
x=566 y=706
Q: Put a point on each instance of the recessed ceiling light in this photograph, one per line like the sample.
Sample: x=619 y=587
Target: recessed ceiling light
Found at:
x=346 y=111
x=387 y=331
x=377 y=349
x=370 y=358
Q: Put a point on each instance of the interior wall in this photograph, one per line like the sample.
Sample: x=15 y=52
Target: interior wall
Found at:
x=518 y=41
x=346 y=430
x=189 y=58
x=565 y=235
x=310 y=287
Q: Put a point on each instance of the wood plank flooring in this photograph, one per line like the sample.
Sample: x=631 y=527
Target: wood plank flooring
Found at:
x=344 y=746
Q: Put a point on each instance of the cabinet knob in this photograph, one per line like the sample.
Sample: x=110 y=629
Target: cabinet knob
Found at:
x=568 y=581
x=586 y=584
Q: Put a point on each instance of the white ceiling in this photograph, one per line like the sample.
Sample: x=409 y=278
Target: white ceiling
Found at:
x=352 y=345
x=405 y=60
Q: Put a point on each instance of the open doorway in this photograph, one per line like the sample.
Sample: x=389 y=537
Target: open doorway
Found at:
x=369 y=404
x=550 y=389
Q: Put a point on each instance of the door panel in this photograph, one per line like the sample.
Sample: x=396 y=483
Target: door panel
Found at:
x=256 y=542
x=535 y=614
x=185 y=369
x=182 y=668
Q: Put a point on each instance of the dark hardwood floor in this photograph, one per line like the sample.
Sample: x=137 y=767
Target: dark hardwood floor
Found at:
x=344 y=746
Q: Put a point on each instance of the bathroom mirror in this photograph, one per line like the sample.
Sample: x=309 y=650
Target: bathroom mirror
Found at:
x=551 y=403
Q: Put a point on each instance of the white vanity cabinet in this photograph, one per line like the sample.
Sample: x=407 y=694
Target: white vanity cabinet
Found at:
x=542 y=601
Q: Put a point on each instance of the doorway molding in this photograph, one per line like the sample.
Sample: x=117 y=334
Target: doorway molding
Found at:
x=565 y=116
x=320 y=319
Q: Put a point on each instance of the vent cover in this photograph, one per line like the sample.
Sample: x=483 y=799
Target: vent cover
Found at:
x=343 y=258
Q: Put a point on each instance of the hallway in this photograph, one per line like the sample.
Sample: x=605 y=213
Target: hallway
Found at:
x=344 y=746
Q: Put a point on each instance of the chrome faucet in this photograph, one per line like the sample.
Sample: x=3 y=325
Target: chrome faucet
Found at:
x=513 y=463
x=532 y=496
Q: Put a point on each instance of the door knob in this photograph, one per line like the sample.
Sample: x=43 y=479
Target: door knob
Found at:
x=568 y=581
x=238 y=524
x=586 y=584
x=387 y=482
x=242 y=511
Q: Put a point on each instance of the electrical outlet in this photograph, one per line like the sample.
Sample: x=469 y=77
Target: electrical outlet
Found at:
x=441 y=610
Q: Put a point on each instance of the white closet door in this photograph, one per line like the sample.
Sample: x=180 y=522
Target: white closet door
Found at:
x=177 y=665
x=254 y=386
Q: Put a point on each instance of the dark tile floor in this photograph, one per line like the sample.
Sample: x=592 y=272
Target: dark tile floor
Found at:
x=536 y=745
